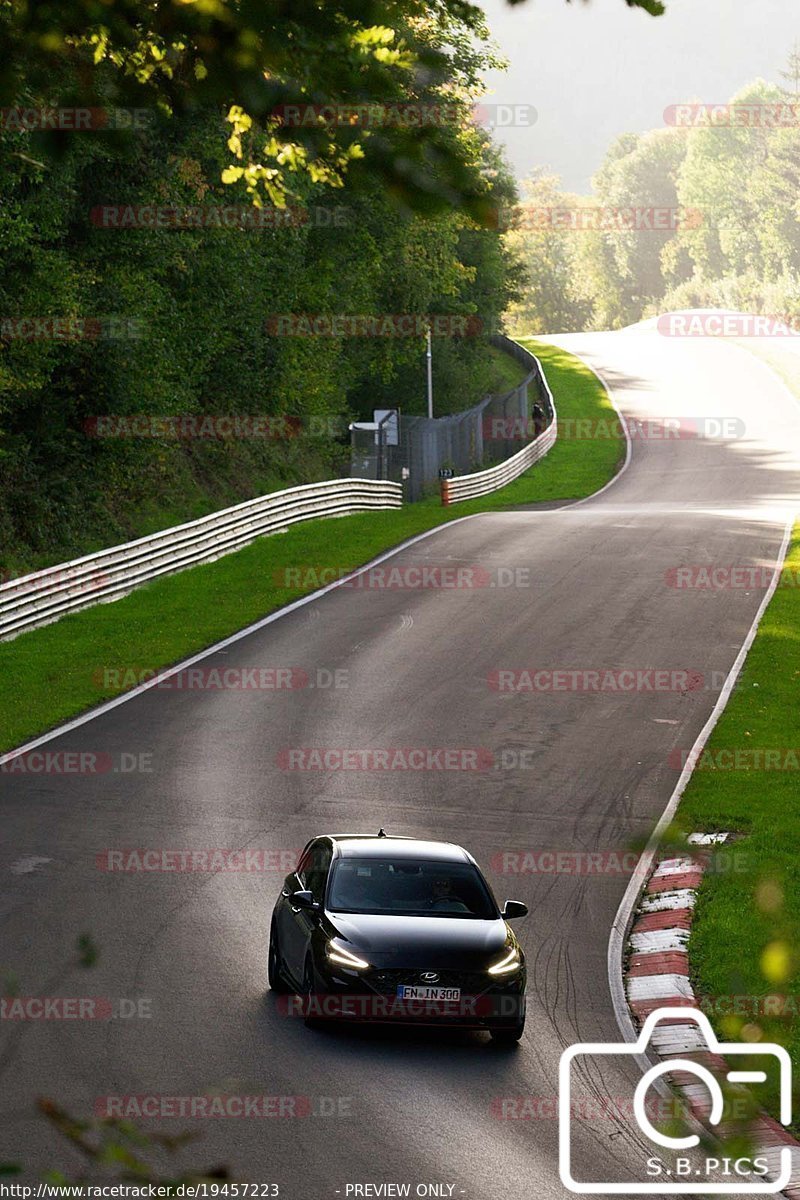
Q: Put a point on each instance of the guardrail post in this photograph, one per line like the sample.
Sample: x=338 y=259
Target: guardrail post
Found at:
x=445 y=485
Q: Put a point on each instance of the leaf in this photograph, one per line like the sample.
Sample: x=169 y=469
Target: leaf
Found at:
x=87 y=951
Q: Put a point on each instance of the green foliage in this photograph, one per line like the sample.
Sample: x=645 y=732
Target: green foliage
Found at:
x=250 y=59
x=551 y=299
x=746 y=936
x=731 y=190
x=746 y=252
x=642 y=178
x=717 y=177
x=120 y=1146
x=192 y=305
x=254 y=58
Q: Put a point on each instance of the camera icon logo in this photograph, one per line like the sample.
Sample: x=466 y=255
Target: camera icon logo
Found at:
x=601 y=1052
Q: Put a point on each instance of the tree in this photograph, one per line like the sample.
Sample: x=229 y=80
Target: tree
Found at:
x=792 y=73
x=256 y=59
x=716 y=178
x=552 y=301
x=197 y=301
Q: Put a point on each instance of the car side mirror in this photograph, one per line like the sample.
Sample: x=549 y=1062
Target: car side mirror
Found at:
x=305 y=900
x=514 y=908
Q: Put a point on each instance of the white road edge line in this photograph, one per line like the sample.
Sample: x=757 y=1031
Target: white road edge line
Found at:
x=623 y=422
x=168 y=672
x=619 y=929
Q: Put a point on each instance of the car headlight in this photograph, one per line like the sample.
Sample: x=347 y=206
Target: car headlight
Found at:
x=507 y=964
x=345 y=958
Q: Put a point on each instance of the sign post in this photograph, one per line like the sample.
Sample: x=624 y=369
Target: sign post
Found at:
x=430 y=374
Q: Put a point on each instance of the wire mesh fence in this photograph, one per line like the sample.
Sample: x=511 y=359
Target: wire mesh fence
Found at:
x=414 y=449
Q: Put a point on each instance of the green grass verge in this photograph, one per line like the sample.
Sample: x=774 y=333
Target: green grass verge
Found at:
x=745 y=940
x=507 y=373
x=53 y=673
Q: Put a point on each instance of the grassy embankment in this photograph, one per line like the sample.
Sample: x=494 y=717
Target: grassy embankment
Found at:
x=55 y=672
x=744 y=950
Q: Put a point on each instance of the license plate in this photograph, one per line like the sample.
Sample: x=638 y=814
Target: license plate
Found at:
x=411 y=991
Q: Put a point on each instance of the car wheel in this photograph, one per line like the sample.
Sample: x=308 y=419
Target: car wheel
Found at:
x=507 y=1037
x=276 y=980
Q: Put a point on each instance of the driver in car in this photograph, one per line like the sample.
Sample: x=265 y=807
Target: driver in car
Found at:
x=444 y=899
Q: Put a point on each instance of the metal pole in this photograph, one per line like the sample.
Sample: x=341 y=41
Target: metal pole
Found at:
x=430 y=374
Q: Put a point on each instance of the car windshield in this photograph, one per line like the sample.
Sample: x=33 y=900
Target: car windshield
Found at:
x=410 y=887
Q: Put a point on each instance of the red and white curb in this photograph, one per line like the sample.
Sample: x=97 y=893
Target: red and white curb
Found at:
x=657 y=976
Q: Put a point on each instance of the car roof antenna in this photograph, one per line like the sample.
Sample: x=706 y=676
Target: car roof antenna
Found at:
x=381 y=832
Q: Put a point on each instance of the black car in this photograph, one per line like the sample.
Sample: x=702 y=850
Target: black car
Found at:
x=379 y=928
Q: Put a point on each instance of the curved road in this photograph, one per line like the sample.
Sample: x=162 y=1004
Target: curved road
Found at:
x=573 y=771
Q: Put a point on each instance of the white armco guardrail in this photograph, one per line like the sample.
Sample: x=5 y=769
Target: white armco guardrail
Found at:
x=44 y=596
x=466 y=487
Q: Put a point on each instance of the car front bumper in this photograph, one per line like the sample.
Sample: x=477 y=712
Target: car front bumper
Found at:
x=372 y=996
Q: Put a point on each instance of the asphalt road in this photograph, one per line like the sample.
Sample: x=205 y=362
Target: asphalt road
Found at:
x=586 y=588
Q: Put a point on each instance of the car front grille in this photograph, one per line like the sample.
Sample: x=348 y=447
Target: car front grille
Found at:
x=385 y=982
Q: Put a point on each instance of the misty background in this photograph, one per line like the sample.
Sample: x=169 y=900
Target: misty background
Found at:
x=598 y=69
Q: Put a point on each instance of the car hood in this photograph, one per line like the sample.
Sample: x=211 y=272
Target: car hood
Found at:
x=421 y=941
